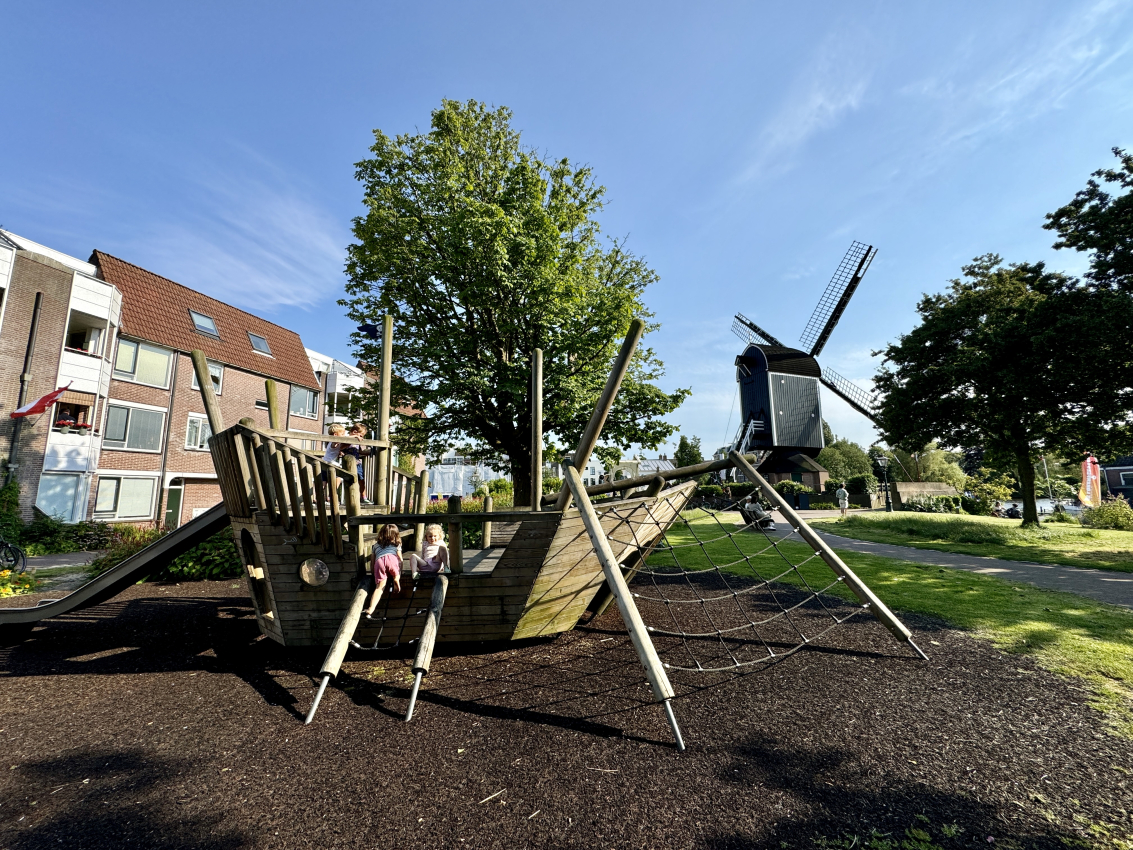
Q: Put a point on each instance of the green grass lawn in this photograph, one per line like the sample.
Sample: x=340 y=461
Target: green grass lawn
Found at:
x=1065 y=633
x=1052 y=543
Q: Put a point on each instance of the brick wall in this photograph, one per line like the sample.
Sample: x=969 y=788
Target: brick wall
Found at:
x=31 y=273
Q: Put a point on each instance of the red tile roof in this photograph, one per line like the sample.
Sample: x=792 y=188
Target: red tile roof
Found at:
x=156 y=309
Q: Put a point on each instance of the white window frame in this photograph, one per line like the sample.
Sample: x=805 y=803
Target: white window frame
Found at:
x=128 y=377
x=314 y=402
x=214 y=333
x=119 y=475
x=200 y=417
x=112 y=402
x=252 y=340
x=217 y=378
x=1126 y=479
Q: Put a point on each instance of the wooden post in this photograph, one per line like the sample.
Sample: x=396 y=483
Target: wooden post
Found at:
x=279 y=478
x=335 y=509
x=602 y=409
x=422 y=507
x=487 y=541
x=428 y=639
x=381 y=490
x=275 y=421
x=864 y=594
x=320 y=502
x=353 y=501
x=537 y=430
x=264 y=464
x=208 y=396
x=333 y=662
x=307 y=485
x=655 y=486
x=455 y=538
x=639 y=634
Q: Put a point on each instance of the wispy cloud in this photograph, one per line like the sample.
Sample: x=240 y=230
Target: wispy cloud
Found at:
x=833 y=85
x=1037 y=76
x=258 y=244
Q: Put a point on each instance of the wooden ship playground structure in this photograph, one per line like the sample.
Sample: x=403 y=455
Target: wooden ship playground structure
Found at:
x=535 y=574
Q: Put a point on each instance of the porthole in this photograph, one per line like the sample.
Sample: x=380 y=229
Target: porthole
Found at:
x=314 y=573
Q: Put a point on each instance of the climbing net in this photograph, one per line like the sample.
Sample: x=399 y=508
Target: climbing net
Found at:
x=392 y=615
x=720 y=591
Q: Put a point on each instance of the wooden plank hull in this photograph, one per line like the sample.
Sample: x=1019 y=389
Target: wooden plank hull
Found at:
x=538 y=583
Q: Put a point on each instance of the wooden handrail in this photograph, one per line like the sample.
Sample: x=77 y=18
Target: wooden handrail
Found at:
x=464 y=516
x=322 y=438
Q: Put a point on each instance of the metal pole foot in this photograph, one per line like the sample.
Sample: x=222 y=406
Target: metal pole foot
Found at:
x=413 y=696
x=318 y=699
x=918 y=650
x=676 y=728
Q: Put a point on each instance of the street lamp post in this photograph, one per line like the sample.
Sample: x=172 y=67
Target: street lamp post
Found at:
x=883 y=462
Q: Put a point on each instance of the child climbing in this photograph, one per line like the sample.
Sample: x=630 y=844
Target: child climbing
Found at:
x=434 y=554
x=385 y=562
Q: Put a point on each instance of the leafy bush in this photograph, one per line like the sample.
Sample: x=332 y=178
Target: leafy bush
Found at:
x=1112 y=513
x=710 y=491
x=472 y=533
x=791 y=488
x=823 y=506
x=927 y=504
x=500 y=487
x=13 y=583
x=984 y=489
x=958 y=529
x=10 y=511
x=861 y=485
x=46 y=535
x=1063 y=516
x=215 y=558
x=552 y=485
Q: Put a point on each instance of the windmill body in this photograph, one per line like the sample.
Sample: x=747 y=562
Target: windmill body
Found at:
x=780 y=402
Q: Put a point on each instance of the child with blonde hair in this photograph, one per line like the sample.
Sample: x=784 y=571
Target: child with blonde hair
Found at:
x=434 y=554
x=385 y=562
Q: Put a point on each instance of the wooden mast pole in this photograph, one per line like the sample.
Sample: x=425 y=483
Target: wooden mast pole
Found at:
x=867 y=597
x=275 y=421
x=537 y=430
x=639 y=634
x=602 y=409
x=381 y=491
x=208 y=395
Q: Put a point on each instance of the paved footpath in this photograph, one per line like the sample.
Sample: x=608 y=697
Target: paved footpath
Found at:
x=1102 y=585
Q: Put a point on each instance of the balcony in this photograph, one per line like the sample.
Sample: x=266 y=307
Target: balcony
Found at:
x=344 y=382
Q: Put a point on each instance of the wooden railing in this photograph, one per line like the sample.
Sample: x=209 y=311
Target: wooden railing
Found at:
x=259 y=471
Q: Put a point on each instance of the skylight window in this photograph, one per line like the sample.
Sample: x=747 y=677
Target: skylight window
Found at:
x=259 y=343
x=204 y=324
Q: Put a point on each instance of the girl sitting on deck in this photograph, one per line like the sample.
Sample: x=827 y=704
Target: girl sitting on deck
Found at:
x=386 y=562
x=434 y=554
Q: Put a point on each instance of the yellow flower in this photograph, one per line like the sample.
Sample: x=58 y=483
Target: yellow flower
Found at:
x=5 y=573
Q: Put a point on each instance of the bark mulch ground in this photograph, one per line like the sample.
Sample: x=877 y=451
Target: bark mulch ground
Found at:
x=161 y=719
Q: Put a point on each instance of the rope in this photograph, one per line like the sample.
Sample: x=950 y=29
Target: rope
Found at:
x=720 y=594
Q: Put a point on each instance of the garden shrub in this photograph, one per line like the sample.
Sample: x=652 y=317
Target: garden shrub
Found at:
x=1063 y=516
x=710 y=491
x=552 y=485
x=791 y=488
x=500 y=487
x=862 y=485
x=46 y=535
x=823 y=506
x=984 y=489
x=215 y=558
x=927 y=504
x=10 y=523
x=1112 y=513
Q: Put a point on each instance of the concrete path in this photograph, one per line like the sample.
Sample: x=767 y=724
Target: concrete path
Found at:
x=1102 y=585
x=71 y=559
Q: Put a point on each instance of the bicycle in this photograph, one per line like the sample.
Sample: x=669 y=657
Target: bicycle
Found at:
x=12 y=557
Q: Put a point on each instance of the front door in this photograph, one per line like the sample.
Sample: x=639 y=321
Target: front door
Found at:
x=173 y=504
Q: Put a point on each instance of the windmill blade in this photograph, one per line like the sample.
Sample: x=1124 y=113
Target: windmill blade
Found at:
x=860 y=400
x=750 y=332
x=837 y=295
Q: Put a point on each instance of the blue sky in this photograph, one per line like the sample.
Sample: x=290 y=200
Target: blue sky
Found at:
x=743 y=146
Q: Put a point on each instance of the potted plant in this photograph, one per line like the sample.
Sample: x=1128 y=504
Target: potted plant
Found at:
x=64 y=427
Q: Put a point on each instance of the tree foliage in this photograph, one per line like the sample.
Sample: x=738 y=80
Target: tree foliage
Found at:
x=844 y=459
x=1017 y=360
x=688 y=452
x=483 y=251
x=1101 y=224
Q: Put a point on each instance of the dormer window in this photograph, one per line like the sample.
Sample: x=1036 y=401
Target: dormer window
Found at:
x=204 y=324
x=259 y=344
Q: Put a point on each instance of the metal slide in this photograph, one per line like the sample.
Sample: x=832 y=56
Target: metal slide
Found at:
x=132 y=570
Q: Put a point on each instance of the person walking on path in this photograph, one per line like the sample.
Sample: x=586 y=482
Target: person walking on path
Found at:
x=843 y=497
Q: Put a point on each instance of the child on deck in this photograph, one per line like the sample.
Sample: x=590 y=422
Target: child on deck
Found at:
x=434 y=554
x=385 y=562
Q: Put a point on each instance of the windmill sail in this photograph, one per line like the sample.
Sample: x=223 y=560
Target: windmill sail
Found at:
x=750 y=332
x=836 y=297
x=863 y=402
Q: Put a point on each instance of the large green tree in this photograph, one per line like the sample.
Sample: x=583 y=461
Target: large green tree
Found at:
x=1018 y=360
x=484 y=250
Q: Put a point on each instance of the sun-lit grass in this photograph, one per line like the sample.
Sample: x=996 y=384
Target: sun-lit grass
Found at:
x=1065 y=633
x=1051 y=543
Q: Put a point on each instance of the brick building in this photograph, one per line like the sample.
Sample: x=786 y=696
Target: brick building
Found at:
x=121 y=336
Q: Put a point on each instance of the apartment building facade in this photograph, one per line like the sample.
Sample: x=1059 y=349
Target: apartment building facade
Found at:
x=128 y=442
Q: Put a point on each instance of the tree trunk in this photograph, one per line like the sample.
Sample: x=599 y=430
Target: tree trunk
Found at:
x=1027 y=483
x=521 y=482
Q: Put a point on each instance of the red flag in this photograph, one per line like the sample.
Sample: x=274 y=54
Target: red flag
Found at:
x=34 y=407
x=1090 y=493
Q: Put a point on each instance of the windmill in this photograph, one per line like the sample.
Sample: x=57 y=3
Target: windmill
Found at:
x=781 y=407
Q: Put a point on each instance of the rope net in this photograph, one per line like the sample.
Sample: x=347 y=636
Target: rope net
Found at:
x=720 y=590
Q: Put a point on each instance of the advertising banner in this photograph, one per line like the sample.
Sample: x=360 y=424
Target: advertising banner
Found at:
x=1090 y=493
